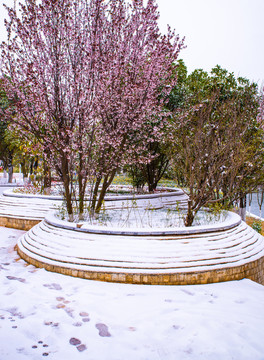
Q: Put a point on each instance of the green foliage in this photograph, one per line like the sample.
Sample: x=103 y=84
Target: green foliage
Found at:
x=178 y=95
x=217 y=141
x=218 y=207
x=137 y=177
x=122 y=179
x=257 y=226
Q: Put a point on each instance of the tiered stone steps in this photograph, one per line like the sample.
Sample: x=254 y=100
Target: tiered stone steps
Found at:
x=228 y=251
x=26 y=207
x=22 y=211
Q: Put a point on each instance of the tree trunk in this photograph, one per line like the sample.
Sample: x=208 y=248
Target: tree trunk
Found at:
x=152 y=186
x=68 y=200
x=10 y=168
x=190 y=215
x=24 y=169
x=46 y=179
x=10 y=174
x=35 y=165
x=242 y=207
x=82 y=187
x=67 y=188
x=80 y=195
x=107 y=182
x=155 y=170
x=95 y=192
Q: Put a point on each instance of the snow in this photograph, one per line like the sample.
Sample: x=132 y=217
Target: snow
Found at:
x=165 y=217
x=48 y=315
x=60 y=243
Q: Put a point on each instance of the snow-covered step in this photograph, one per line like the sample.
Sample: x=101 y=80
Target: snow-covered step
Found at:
x=36 y=207
x=231 y=247
x=29 y=208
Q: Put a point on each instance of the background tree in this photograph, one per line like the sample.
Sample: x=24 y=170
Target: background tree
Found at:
x=6 y=147
x=6 y=151
x=261 y=107
x=15 y=149
x=218 y=144
x=150 y=173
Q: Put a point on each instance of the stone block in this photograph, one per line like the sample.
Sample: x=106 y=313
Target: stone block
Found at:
x=144 y=279
x=129 y=278
x=136 y=279
x=108 y=277
x=122 y=278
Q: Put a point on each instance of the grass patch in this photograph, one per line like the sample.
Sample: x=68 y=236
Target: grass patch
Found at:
x=252 y=221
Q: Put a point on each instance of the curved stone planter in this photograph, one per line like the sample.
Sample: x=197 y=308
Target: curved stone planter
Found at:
x=230 y=250
x=23 y=211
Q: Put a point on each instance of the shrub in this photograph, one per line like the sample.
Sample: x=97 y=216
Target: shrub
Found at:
x=257 y=226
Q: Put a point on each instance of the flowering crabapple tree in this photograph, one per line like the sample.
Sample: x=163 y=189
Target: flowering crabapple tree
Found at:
x=83 y=78
x=129 y=106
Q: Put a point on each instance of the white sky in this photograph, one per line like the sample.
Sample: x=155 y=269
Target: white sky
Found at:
x=227 y=32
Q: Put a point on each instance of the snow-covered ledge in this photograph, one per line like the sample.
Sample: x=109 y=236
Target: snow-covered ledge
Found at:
x=22 y=211
x=232 y=220
x=230 y=250
x=167 y=192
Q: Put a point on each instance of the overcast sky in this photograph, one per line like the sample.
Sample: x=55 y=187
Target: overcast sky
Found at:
x=225 y=32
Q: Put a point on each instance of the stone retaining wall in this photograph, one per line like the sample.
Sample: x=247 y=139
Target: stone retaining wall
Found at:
x=232 y=251
x=253 y=270
x=18 y=223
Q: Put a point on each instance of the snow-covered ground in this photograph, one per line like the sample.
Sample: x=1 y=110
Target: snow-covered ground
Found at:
x=17 y=179
x=45 y=314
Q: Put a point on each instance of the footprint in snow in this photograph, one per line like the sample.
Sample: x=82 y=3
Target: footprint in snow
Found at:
x=83 y=313
x=78 y=324
x=62 y=299
x=53 y=286
x=76 y=342
x=177 y=327
x=69 y=312
x=14 y=312
x=187 y=292
x=85 y=316
x=59 y=298
x=48 y=323
x=240 y=301
x=40 y=344
x=85 y=319
x=103 y=330
x=16 y=278
x=62 y=305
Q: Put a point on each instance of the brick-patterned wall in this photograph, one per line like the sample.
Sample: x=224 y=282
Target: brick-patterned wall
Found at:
x=18 y=223
x=253 y=270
